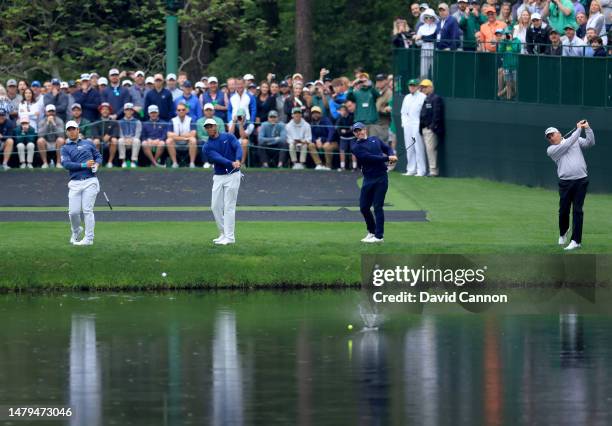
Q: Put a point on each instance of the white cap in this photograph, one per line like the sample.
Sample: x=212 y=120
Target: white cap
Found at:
x=103 y=80
x=152 y=108
x=64 y=85
x=171 y=76
x=128 y=105
x=126 y=83
x=247 y=77
x=210 y=121
x=85 y=77
x=550 y=130
x=149 y=79
x=24 y=119
x=113 y=71
x=209 y=106
x=536 y=15
x=139 y=73
x=199 y=84
x=212 y=80
x=50 y=107
x=429 y=12
x=71 y=123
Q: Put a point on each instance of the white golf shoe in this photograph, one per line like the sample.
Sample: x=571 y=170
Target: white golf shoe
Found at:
x=367 y=238
x=573 y=245
x=219 y=238
x=224 y=241
x=74 y=237
x=375 y=240
x=563 y=238
x=84 y=242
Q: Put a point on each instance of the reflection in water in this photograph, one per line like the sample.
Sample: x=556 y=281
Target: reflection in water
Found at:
x=85 y=377
x=493 y=394
x=227 y=383
x=421 y=374
x=573 y=381
x=373 y=379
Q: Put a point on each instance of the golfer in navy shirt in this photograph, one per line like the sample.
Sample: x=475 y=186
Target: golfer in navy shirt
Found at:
x=373 y=155
x=225 y=152
x=81 y=158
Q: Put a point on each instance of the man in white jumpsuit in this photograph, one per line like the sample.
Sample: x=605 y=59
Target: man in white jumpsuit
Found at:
x=81 y=158
x=416 y=157
x=225 y=152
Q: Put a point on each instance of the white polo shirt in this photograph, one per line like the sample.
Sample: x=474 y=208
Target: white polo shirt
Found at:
x=181 y=127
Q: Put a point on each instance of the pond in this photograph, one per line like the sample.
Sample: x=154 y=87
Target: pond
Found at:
x=234 y=358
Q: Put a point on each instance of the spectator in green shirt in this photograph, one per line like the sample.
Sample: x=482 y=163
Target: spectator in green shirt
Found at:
x=202 y=134
x=364 y=94
x=84 y=124
x=509 y=48
x=560 y=14
x=25 y=138
x=470 y=25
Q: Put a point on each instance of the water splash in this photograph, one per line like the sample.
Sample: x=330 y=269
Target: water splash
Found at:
x=370 y=317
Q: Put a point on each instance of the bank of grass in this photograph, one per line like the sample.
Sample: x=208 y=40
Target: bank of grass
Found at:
x=465 y=216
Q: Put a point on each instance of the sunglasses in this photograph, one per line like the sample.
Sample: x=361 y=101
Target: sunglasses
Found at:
x=181 y=110
x=208 y=126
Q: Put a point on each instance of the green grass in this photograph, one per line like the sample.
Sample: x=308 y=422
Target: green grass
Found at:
x=466 y=216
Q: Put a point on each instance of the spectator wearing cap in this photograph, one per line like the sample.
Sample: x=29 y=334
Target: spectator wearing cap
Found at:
x=486 y=35
x=202 y=134
x=105 y=133
x=137 y=92
x=216 y=97
x=181 y=136
x=149 y=84
x=252 y=89
x=13 y=95
x=102 y=85
x=30 y=108
x=190 y=99
x=299 y=137
x=93 y=79
x=271 y=139
x=538 y=35
x=172 y=86
x=572 y=45
x=425 y=38
x=89 y=99
x=154 y=134
x=242 y=129
x=7 y=132
x=162 y=98
x=431 y=124
x=50 y=136
x=130 y=130
x=462 y=10
x=320 y=97
x=241 y=99
x=283 y=94
x=57 y=98
x=447 y=32
x=323 y=131
x=25 y=138
x=344 y=132
x=297 y=77
x=364 y=94
x=509 y=49
x=265 y=102
x=416 y=156
x=555 y=48
x=83 y=123
x=339 y=95
x=116 y=95
x=560 y=14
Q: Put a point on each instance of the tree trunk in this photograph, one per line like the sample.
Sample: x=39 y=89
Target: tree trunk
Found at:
x=303 y=38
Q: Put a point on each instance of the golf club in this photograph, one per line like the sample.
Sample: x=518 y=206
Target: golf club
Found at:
x=95 y=171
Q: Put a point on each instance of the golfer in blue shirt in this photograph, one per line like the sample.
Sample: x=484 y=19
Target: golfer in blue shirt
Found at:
x=81 y=158
x=373 y=155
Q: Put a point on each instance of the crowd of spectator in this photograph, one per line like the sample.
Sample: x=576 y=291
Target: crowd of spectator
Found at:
x=530 y=27
x=136 y=120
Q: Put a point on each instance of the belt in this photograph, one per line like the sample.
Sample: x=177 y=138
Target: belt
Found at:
x=82 y=177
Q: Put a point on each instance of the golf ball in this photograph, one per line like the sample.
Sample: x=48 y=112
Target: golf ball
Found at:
x=164 y=274
x=350 y=326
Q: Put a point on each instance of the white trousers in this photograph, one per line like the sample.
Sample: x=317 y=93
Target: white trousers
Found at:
x=81 y=199
x=134 y=144
x=224 y=197
x=21 y=150
x=415 y=151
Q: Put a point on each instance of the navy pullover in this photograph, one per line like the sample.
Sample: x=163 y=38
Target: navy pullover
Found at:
x=373 y=154
x=222 y=151
x=75 y=156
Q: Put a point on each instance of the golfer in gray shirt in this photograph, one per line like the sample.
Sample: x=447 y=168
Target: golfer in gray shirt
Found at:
x=573 y=178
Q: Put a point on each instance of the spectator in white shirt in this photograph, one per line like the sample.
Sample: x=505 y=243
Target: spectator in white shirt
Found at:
x=572 y=45
x=182 y=136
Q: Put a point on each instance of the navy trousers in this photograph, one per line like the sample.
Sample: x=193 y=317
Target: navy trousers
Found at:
x=373 y=193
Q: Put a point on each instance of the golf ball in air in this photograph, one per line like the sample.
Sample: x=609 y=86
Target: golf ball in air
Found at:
x=350 y=326
x=164 y=274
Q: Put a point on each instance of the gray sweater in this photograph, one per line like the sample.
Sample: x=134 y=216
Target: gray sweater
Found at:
x=568 y=155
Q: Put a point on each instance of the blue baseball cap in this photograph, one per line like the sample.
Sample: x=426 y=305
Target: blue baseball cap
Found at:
x=36 y=83
x=358 y=126
x=187 y=83
x=55 y=81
